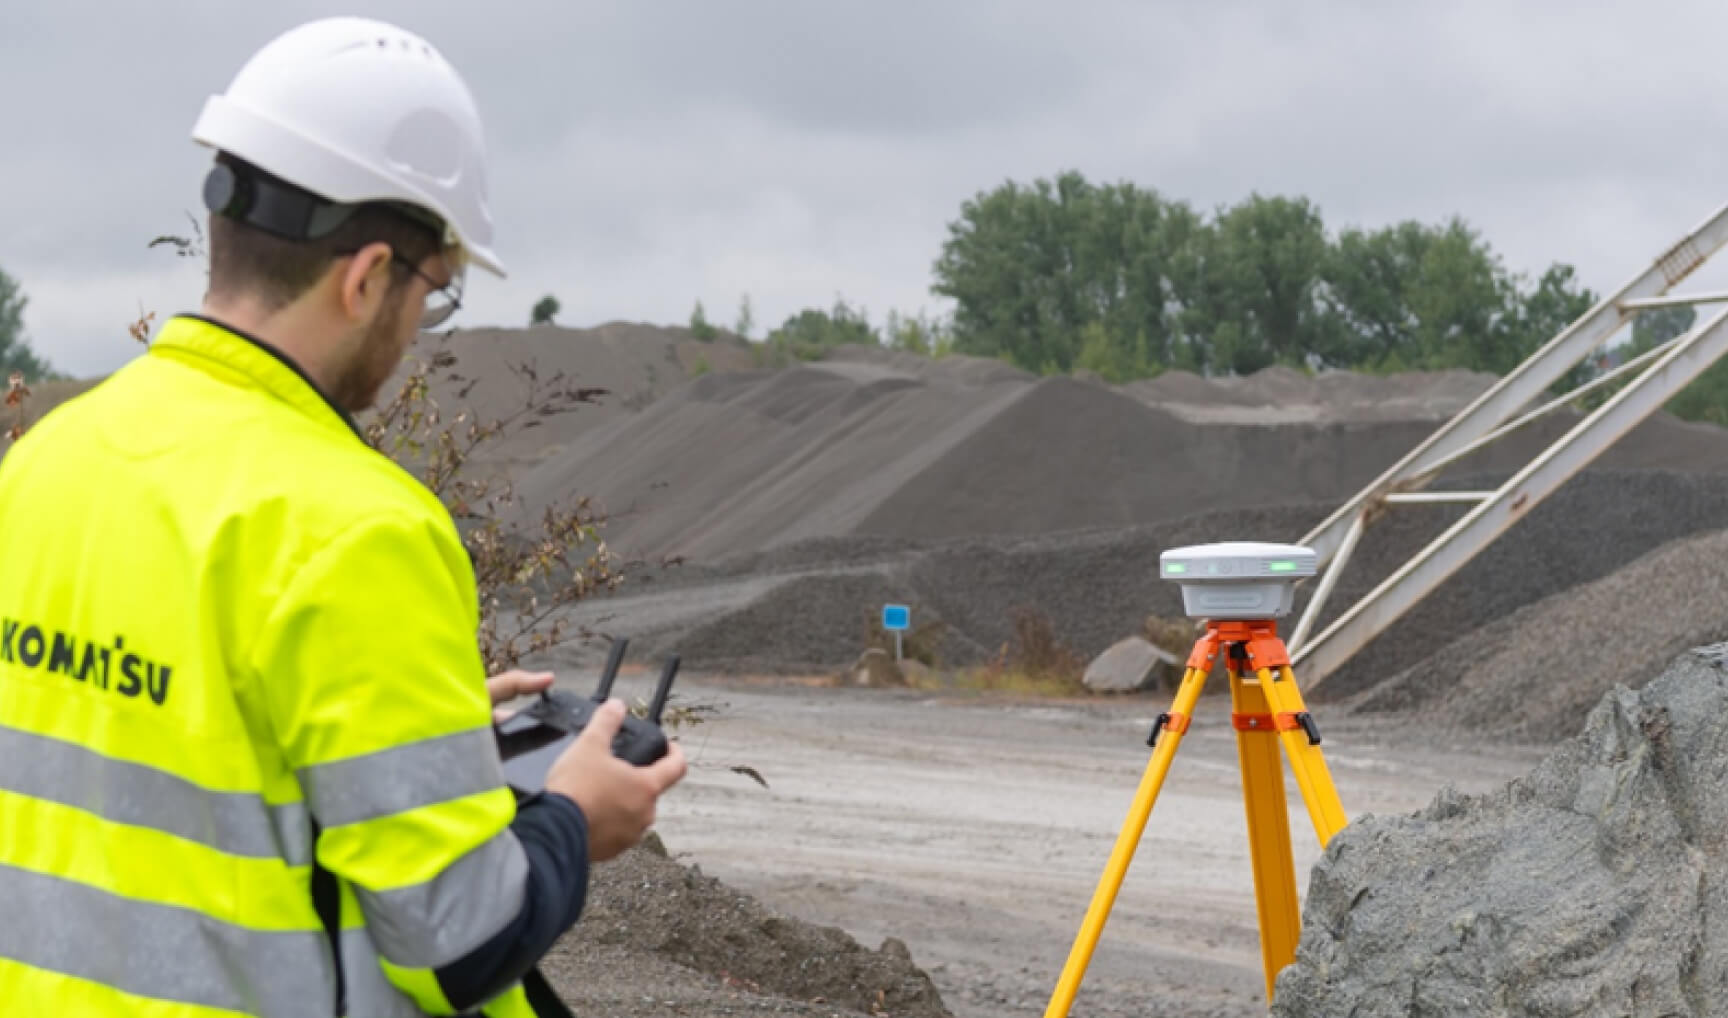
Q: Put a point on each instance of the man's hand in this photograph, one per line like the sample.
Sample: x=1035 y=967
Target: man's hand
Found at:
x=616 y=797
x=512 y=684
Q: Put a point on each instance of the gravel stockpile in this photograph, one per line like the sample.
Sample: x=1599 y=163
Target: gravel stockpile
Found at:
x=1534 y=674
x=490 y=379
x=1594 y=886
x=805 y=607
x=754 y=461
x=1597 y=523
x=658 y=938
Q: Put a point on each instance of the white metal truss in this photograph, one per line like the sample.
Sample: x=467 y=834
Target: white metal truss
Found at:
x=1654 y=378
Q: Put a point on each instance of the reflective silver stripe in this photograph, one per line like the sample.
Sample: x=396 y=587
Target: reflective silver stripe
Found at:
x=403 y=778
x=435 y=923
x=239 y=823
x=370 y=992
x=162 y=951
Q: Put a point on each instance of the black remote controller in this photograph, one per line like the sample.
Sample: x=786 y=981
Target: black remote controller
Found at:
x=532 y=739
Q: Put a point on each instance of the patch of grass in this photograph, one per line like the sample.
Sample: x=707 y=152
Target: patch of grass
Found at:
x=920 y=643
x=992 y=679
x=1034 y=663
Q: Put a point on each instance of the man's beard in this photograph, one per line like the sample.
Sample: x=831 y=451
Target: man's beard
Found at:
x=373 y=364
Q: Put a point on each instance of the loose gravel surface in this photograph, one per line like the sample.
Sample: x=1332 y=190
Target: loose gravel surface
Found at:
x=974 y=830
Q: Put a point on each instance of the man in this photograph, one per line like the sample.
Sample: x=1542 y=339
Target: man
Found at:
x=243 y=715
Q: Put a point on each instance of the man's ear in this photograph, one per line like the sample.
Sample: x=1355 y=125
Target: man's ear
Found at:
x=364 y=281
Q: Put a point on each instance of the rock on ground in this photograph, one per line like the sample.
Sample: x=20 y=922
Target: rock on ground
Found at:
x=876 y=668
x=1594 y=886
x=658 y=938
x=1128 y=666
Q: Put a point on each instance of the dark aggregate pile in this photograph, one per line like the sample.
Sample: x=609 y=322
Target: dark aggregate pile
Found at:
x=750 y=461
x=658 y=938
x=1597 y=523
x=1593 y=886
x=1096 y=587
x=1534 y=675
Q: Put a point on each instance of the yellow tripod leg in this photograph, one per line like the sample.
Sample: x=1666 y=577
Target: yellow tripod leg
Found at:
x=1306 y=761
x=1126 y=841
x=1268 y=826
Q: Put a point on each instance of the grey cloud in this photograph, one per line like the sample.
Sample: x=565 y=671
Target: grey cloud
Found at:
x=645 y=155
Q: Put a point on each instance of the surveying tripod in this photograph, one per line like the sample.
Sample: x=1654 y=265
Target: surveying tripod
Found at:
x=1266 y=710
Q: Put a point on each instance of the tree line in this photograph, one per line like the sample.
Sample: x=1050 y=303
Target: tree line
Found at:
x=1121 y=280
x=1065 y=274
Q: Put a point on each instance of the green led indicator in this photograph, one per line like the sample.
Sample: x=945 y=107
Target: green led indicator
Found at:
x=1177 y=567
x=1283 y=567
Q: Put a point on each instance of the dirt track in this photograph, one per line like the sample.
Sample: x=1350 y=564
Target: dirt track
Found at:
x=975 y=830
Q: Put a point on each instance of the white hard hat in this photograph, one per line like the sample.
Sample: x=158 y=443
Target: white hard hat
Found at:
x=356 y=110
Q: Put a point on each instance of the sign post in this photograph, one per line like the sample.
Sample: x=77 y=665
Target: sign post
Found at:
x=896 y=619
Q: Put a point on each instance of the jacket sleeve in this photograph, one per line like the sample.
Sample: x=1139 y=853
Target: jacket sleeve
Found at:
x=377 y=694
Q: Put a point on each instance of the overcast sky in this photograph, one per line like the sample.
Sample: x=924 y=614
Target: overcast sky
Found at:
x=645 y=154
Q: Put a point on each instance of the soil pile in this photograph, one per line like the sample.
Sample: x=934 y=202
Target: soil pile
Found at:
x=1283 y=394
x=1588 y=887
x=659 y=938
x=496 y=371
x=745 y=462
x=1534 y=674
x=809 y=607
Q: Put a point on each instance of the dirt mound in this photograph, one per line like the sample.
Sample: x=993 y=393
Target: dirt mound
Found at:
x=1281 y=394
x=1598 y=523
x=636 y=363
x=888 y=444
x=958 y=369
x=805 y=607
x=1535 y=673
x=659 y=938
x=753 y=461
x=1591 y=886
x=746 y=462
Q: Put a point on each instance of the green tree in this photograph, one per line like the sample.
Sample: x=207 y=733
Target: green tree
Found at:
x=1538 y=316
x=1030 y=267
x=1418 y=297
x=1115 y=278
x=1414 y=297
x=746 y=323
x=1656 y=326
x=545 y=309
x=920 y=334
x=1249 y=287
x=15 y=352
x=699 y=326
x=811 y=332
x=1706 y=397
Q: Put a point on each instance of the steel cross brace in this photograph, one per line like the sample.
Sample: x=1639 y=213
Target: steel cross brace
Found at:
x=1664 y=372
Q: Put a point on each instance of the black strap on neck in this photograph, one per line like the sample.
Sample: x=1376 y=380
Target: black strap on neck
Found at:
x=541 y=997
x=327 y=901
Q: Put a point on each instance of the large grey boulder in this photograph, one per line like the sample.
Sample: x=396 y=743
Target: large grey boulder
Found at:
x=1128 y=666
x=1596 y=885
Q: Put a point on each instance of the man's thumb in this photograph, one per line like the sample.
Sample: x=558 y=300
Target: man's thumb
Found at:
x=607 y=720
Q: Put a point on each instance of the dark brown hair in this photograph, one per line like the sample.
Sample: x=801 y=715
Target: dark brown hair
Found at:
x=247 y=260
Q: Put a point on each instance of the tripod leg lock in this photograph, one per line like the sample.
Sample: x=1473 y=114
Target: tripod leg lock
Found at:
x=1287 y=721
x=1177 y=723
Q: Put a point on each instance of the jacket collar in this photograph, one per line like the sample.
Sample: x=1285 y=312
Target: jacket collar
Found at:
x=188 y=337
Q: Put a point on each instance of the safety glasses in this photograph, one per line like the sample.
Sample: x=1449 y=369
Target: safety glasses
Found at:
x=443 y=301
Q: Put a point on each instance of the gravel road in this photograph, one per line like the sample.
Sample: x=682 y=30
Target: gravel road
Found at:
x=975 y=829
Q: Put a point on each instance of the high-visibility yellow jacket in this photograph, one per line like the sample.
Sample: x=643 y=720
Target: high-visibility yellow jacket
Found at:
x=234 y=639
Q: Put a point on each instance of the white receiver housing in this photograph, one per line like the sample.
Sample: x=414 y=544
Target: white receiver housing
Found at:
x=1238 y=580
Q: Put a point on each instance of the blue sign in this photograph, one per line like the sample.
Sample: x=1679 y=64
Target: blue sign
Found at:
x=896 y=617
